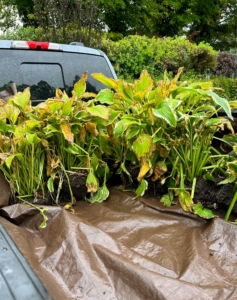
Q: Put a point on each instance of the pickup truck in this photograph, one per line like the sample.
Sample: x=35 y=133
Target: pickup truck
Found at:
x=44 y=66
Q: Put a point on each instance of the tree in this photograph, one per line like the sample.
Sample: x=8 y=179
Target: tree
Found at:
x=8 y=16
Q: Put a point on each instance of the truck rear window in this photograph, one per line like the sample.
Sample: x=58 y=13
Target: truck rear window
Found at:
x=44 y=71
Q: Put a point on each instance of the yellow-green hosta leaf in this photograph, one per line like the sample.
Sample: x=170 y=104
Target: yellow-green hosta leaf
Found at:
x=54 y=106
x=67 y=133
x=32 y=138
x=233 y=104
x=144 y=83
x=185 y=199
x=98 y=111
x=10 y=158
x=164 y=112
x=125 y=92
x=67 y=107
x=22 y=99
x=141 y=189
x=91 y=183
x=80 y=86
x=202 y=212
x=101 y=195
x=112 y=83
x=105 y=96
x=142 y=145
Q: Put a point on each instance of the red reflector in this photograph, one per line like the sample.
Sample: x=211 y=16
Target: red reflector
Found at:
x=38 y=45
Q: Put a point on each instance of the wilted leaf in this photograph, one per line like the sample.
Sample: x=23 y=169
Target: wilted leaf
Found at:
x=92 y=128
x=159 y=170
x=22 y=99
x=185 y=199
x=144 y=83
x=91 y=183
x=44 y=223
x=144 y=168
x=101 y=195
x=232 y=166
x=66 y=130
x=167 y=199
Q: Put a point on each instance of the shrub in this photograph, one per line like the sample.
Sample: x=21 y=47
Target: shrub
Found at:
x=133 y=54
x=228 y=87
x=226 y=64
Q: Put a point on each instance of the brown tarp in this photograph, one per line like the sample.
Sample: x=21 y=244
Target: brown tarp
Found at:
x=126 y=249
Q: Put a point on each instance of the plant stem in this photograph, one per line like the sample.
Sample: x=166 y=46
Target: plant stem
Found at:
x=232 y=203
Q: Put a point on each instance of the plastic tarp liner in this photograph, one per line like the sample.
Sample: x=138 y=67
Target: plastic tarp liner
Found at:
x=127 y=249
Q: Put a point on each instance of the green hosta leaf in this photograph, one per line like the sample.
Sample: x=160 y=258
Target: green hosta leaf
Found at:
x=209 y=176
x=105 y=96
x=122 y=125
x=142 y=145
x=232 y=166
x=91 y=183
x=50 y=185
x=141 y=189
x=202 y=212
x=80 y=86
x=98 y=111
x=168 y=199
x=44 y=223
x=112 y=83
x=220 y=101
x=32 y=138
x=101 y=195
x=94 y=161
x=30 y=124
x=164 y=112
x=185 y=199
x=113 y=115
x=132 y=131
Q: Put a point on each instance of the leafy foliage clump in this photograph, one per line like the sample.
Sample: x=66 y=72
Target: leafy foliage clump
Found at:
x=226 y=65
x=132 y=54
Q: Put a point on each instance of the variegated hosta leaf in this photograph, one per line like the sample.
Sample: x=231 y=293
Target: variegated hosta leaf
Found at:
x=141 y=189
x=164 y=112
x=22 y=99
x=105 y=96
